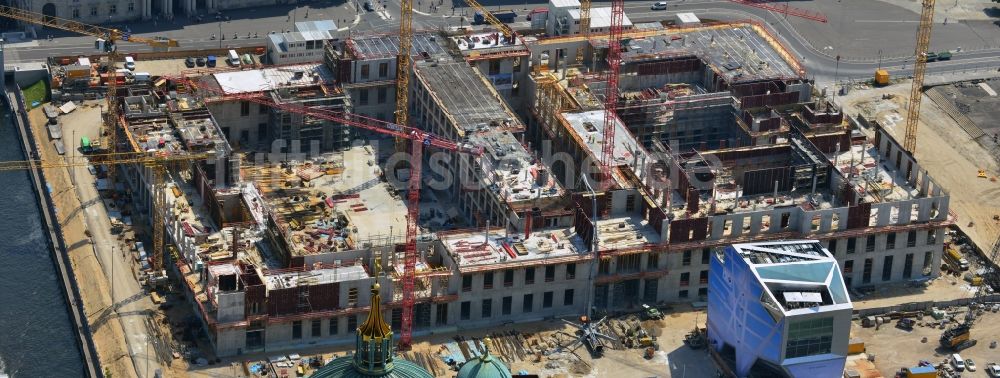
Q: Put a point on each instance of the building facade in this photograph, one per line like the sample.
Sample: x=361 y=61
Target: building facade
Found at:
x=781 y=307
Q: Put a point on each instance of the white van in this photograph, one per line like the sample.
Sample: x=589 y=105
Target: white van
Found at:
x=957 y=362
x=234 y=58
x=130 y=63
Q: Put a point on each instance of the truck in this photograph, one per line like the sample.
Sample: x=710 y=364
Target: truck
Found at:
x=210 y=61
x=918 y=372
x=505 y=16
x=954 y=257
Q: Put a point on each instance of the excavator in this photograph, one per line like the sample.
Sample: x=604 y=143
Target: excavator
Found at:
x=959 y=337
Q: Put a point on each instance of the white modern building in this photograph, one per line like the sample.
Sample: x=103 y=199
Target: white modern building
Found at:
x=304 y=44
x=781 y=307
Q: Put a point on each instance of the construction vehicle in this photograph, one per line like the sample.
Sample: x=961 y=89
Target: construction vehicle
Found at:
x=505 y=16
x=905 y=324
x=959 y=337
x=651 y=313
x=954 y=257
x=917 y=372
x=588 y=335
x=695 y=339
x=881 y=77
x=107 y=40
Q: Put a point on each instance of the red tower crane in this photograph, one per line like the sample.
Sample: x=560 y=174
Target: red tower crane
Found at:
x=419 y=140
x=611 y=91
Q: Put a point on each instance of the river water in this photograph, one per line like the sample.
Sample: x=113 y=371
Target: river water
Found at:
x=36 y=331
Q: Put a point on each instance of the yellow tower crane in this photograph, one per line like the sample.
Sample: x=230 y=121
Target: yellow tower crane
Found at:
x=493 y=20
x=403 y=68
x=158 y=164
x=110 y=38
x=584 y=26
x=919 y=67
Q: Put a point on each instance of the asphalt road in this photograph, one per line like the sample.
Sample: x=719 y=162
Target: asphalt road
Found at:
x=815 y=43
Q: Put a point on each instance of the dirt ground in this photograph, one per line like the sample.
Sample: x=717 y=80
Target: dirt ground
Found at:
x=945 y=287
x=885 y=344
x=94 y=288
x=946 y=151
x=673 y=359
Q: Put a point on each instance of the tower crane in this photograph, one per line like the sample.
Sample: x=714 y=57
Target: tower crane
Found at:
x=505 y=29
x=584 y=26
x=611 y=91
x=403 y=67
x=156 y=161
x=919 y=67
x=959 y=337
x=418 y=139
x=110 y=38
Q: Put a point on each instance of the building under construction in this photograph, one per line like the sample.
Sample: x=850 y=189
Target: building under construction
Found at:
x=720 y=139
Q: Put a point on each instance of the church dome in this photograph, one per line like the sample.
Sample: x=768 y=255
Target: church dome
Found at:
x=484 y=366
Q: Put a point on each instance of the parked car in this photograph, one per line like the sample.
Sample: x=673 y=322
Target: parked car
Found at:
x=659 y=5
x=189 y=62
x=200 y=62
x=970 y=365
x=993 y=370
x=369 y=7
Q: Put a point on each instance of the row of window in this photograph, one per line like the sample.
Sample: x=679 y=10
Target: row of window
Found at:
x=298 y=55
x=866 y=273
x=382 y=95
x=383 y=71
x=529 y=277
x=506 y=304
x=890 y=242
x=316 y=327
x=112 y=10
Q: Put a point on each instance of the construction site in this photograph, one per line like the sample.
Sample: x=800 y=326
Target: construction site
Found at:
x=562 y=194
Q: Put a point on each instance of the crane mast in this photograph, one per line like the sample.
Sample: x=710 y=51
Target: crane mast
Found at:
x=413 y=196
x=919 y=68
x=584 y=26
x=611 y=91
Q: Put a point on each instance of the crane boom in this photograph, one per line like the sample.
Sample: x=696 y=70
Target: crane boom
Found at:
x=611 y=91
x=919 y=68
x=504 y=28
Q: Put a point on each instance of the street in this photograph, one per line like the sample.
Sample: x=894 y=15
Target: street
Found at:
x=132 y=306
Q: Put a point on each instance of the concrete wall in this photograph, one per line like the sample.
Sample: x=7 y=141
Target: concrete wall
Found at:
x=517 y=291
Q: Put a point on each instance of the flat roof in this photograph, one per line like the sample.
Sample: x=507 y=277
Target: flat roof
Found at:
x=600 y=17
x=738 y=53
x=625 y=232
x=799 y=276
x=315 y=25
x=493 y=41
x=331 y=203
x=387 y=46
x=511 y=170
x=465 y=96
x=267 y=79
x=589 y=127
x=315 y=277
x=688 y=18
x=471 y=248
x=564 y=3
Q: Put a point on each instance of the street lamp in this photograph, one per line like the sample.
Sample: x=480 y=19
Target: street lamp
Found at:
x=221 y=36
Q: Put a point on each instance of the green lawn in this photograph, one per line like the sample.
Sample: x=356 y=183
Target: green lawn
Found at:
x=36 y=92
